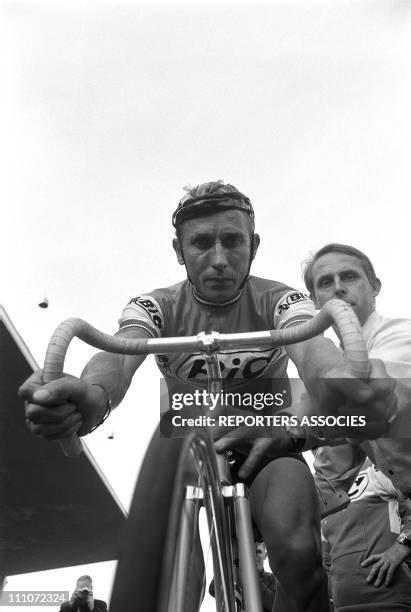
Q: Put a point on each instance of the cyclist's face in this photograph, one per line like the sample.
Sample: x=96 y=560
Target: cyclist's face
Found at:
x=216 y=252
x=337 y=275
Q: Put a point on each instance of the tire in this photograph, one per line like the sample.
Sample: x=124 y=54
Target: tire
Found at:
x=145 y=576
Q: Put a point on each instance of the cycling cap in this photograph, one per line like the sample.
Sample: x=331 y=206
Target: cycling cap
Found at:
x=211 y=196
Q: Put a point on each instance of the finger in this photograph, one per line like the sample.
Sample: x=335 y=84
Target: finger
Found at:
x=383 y=387
x=373 y=572
x=381 y=575
x=31 y=385
x=70 y=432
x=224 y=444
x=349 y=387
x=390 y=575
x=234 y=433
x=49 y=414
x=60 y=390
x=218 y=433
x=56 y=430
x=369 y=560
x=256 y=455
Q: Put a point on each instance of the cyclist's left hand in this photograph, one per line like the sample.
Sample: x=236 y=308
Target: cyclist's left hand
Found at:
x=375 y=398
x=385 y=564
x=277 y=444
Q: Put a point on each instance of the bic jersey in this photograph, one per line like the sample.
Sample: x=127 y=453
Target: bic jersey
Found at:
x=178 y=311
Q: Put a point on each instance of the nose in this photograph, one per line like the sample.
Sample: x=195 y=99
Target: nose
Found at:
x=218 y=257
x=339 y=288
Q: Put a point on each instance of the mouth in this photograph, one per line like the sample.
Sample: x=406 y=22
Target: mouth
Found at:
x=347 y=301
x=218 y=280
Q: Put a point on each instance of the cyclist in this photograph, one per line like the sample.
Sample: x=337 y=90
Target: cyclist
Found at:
x=216 y=242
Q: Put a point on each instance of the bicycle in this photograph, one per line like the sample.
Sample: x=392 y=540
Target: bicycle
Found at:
x=154 y=567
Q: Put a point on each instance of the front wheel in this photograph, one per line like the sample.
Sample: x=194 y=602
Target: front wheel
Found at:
x=153 y=572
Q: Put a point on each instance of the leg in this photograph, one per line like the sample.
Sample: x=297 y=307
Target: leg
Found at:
x=285 y=508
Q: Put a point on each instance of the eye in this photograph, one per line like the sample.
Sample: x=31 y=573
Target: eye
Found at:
x=233 y=241
x=202 y=242
x=323 y=283
x=350 y=276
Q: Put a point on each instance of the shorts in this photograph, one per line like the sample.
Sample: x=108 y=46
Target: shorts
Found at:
x=237 y=459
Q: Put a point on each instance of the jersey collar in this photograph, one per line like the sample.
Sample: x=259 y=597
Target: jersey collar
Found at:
x=201 y=300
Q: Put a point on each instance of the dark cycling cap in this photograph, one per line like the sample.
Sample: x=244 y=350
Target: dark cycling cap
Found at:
x=211 y=196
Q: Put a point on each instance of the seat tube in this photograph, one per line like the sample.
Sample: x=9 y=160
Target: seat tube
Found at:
x=246 y=551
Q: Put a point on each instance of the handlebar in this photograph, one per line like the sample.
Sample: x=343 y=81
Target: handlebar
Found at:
x=335 y=312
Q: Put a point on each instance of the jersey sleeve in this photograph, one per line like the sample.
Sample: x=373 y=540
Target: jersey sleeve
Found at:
x=293 y=308
x=143 y=312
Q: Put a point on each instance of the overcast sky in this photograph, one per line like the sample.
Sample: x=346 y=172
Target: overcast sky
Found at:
x=108 y=108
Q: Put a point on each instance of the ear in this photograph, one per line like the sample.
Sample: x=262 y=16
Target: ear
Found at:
x=377 y=287
x=178 y=251
x=254 y=245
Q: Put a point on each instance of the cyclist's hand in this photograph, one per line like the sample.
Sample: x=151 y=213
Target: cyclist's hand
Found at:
x=385 y=564
x=374 y=399
x=277 y=443
x=62 y=407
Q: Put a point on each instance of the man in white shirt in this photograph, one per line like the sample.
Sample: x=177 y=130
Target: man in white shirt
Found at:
x=344 y=272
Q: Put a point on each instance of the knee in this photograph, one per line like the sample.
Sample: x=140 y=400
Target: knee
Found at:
x=300 y=550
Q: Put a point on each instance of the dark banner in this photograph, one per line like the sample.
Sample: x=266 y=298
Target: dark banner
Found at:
x=261 y=408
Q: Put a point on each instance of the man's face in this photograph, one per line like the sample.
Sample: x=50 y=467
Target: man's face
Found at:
x=337 y=275
x=84 y=588
x=216 y=252
x=261 y=554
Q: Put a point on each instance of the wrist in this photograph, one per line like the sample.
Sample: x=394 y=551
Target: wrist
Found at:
x=297 y=438
x=105 y=406
x=297 y=445
x=405 y=540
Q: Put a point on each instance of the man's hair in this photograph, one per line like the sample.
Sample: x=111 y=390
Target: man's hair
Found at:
x=84 y=579
x=335 y=247
x=208 y=198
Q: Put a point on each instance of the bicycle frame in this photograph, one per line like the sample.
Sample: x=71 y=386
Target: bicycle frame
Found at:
x=237 y=517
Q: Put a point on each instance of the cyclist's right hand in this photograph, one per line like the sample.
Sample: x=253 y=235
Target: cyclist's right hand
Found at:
x=261 y=442
x=62 y=407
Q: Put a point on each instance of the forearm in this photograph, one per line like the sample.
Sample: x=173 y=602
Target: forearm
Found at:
x=314 y=358
x=113 y=372
x=108 y=371
x=404 y=507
